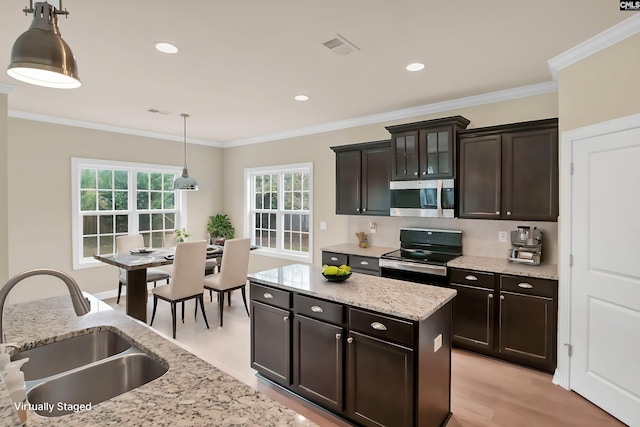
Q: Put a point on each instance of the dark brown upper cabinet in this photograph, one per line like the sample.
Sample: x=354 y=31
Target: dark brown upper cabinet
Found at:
x=425 y=150
x=362 y=178
x=509 y=171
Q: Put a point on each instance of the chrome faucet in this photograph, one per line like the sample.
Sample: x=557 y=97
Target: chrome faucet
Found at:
x=80 y=305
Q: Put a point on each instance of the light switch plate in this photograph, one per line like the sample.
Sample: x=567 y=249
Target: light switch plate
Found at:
x=437 y=343
x=502 y=236
x=323 y=225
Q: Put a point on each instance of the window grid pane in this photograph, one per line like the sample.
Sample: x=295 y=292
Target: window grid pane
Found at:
x=104 y=191
x=292 y=189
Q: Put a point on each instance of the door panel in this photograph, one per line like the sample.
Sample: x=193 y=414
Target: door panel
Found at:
x=605 y=278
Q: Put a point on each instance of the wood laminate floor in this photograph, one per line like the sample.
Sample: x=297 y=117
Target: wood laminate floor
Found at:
x=485 y=392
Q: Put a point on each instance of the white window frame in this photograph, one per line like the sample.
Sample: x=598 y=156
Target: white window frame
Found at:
x=278 y=252
x=81 y=262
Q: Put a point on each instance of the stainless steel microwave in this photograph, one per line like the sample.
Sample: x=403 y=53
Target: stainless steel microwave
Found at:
x=424 y=198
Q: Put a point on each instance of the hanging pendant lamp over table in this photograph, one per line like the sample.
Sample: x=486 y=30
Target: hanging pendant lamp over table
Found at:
x=185 y=182
x=40 y=56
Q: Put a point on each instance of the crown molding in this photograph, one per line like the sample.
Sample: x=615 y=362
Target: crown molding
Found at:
x=107 y=128
x=470 y=101
x=6 y=88
x=608 y=37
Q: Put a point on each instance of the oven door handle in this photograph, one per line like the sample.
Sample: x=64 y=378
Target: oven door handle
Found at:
x=438 y=270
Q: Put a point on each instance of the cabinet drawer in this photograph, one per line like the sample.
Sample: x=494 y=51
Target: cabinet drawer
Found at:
x=529 y=285
x=333 y=258
x=364 y=263
x=319 y=309
x=472 y=278
x=376 y=325
x=271 y=296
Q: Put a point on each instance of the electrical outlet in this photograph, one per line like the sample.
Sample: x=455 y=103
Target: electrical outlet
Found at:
x=437 y=343
x=372 y=228
x=502 y=236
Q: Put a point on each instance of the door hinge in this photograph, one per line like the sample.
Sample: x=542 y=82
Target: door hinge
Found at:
x=568 y=349
x=571 y=169
x=570 y=260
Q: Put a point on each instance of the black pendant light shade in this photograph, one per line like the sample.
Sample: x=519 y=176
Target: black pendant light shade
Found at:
x=185 y=182
x=40 y=56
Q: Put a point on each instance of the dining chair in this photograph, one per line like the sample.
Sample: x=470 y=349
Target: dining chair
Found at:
x=124 y=244
x=186 y=280
x=233 y=274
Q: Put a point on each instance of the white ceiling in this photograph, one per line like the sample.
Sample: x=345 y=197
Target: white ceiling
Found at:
x=241 y=62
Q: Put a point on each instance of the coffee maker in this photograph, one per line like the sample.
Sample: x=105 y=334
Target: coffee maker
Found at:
x=526 y=245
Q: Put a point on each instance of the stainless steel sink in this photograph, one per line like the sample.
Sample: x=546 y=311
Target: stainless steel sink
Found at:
x=64 y=355
x=88 y=368
x=94 y=383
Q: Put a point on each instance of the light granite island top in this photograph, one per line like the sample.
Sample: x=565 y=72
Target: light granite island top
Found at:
x=191 y=393
x=406 y=300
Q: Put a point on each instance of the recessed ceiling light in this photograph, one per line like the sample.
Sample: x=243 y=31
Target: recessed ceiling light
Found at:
x=166 y=47
x=416 y=66
x=301 y=97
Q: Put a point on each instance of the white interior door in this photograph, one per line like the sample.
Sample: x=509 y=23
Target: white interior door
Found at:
x=605 y=277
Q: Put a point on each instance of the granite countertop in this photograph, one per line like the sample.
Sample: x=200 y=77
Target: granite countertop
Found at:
x=355 y=249
x=406 y=300
x=191 y=393
x=504 y=266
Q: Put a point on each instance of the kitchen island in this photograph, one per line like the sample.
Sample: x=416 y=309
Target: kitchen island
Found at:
x=372 y=350
x=191 y=393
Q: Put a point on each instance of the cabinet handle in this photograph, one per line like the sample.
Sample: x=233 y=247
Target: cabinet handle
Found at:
x=267 y=295
x=364 y=263
x=286 y=318
x=349 y=340
x=424 y=172
x=317 y=309
x=525 y=285
x=338 y=336
x=334 y=258
x=470 y=277
x=508 y=212
x=357 y=209
x=490 y=295
x=364 y=209
x=497 y=212
x=501 y=297
x=405 y=171
x=378 y=326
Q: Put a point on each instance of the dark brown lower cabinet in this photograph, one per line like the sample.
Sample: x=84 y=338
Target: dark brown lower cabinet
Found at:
x=509 y=317
x=473 y=317
x=271 y=342
x=368 y=368
x=380 y=382
x=318 y=362
x=527 y=330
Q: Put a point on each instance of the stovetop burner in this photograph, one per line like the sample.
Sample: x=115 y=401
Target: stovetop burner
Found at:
x=423 y=253
x=417 y=255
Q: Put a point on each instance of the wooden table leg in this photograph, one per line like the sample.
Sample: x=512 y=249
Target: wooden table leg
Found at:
x=137 y=294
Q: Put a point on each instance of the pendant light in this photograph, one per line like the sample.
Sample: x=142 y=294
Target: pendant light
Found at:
x=40 y=56
x=185 y=182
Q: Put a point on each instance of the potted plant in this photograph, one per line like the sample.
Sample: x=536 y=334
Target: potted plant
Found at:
x=220 y=228
x=181 y=235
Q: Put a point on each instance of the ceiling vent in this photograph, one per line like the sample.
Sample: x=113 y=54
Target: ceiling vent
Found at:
x=340 y=46
x=156 y=111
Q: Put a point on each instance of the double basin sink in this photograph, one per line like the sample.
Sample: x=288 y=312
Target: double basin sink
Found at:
x=66 y=375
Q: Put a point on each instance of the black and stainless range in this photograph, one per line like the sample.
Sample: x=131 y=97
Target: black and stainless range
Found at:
x=423 y=255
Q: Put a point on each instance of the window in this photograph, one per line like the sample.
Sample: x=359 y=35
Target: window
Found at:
x=111 y=199
x=279 y=210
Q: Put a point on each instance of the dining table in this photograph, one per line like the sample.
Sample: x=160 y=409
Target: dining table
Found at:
x=136 y=264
